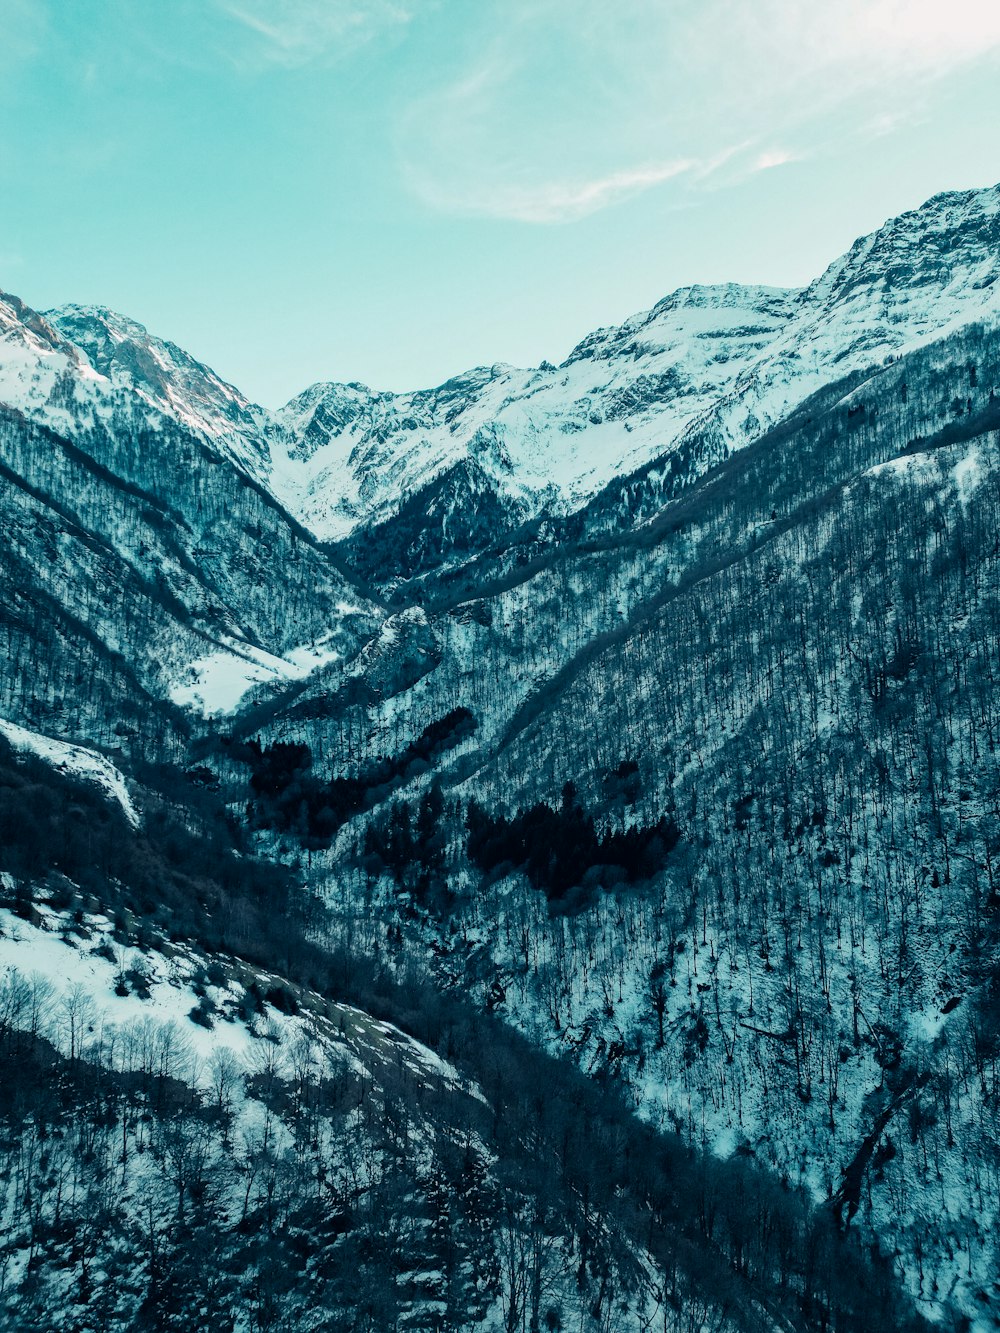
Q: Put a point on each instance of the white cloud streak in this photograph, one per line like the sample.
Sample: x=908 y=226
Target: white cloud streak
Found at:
x=557 y=201
x=252 y=37
x=774 y=157
x=567 y=107
x=292 y=33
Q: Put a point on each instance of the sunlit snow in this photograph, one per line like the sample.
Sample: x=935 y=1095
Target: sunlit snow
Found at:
x=75 y=760
x=218 y=681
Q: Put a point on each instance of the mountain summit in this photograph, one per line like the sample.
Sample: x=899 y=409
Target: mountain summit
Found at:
x=727 y=359
x=723 y=362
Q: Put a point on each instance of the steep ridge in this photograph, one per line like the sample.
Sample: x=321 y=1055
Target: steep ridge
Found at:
x=548 y=437
x=168 y=378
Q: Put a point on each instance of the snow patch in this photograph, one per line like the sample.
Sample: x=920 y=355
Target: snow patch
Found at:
x=217 y=682
x=76 y=761
x=968 y=474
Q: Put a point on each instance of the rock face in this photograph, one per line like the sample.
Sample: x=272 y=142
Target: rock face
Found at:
x=649 y=700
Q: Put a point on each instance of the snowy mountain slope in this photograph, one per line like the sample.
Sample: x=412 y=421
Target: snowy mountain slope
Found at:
x=229 y=1115
x=115 y=380
x=707 y=368
x=501 y=636
x=26 y=330
x=170 y=380
x=86 y=962
x=544 y=437
x=191 y=1136
x=100 y=579
x=726 y=361
x=217 y=682
x=77 y=760
x=765 y=661
x=133 y=526
x=795 y=661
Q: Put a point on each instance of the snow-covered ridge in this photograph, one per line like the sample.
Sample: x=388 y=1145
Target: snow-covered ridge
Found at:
x=81 y=369
x=36 y=362
x=76 y=761
x=167 y=378
x=729 y=360
x=19 y=324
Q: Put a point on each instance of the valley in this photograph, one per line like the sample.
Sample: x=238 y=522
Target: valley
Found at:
x=528 y=847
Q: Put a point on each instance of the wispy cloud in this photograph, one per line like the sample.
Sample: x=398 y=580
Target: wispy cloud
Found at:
x=250 y=36
x=296 y=32
x=556 y=201
x=566 y=107
x=774 y=157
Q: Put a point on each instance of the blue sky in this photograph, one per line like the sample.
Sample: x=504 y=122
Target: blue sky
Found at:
x=394 y=190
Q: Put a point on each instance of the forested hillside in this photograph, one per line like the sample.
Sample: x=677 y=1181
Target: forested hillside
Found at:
x=789 y=682
x=521 y=855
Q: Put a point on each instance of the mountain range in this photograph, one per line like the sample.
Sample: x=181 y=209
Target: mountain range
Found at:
x=626 y=724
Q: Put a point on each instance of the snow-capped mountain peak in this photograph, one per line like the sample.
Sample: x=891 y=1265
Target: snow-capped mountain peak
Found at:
x=720 y=362
x=166 y=377
x=19 y=324
x=81 y=369
x=727 y=360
